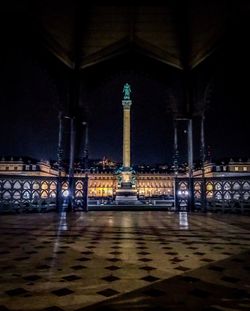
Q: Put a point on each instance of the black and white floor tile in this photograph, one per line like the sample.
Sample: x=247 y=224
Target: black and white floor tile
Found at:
x=124 y=261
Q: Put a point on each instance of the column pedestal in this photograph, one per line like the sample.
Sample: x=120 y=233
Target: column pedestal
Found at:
x=126 y=192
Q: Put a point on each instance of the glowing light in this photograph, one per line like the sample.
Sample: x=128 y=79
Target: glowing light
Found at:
x=66 y=193
x=44 y=186
x=183 y=193
x=183 y=220
x=209 y=187
x=44 y=195
x=110 y=221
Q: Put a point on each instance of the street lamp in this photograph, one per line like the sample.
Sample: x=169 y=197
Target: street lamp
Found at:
x=71 y=161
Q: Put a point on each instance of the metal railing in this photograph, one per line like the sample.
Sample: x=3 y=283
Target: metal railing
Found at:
x=213 y=194
x=36 y=193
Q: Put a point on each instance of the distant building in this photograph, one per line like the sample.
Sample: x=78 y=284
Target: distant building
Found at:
x=104 y=183
x=232 y=168
x=154 y=184
x=26 y=167
x=147 y=184
x=100 y=184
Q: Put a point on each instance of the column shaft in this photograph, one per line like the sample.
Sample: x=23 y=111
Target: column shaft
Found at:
x=126 y=137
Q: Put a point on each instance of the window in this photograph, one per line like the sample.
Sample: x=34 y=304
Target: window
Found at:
x=27 y=167
x=236 y=168
x=7 y=168
x=33 y=167
x=244 y=168
x=15 y=168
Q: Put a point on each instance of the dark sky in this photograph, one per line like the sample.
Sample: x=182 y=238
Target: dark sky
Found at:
x=34 y=86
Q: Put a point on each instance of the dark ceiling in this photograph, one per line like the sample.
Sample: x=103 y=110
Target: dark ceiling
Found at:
x=179 y=33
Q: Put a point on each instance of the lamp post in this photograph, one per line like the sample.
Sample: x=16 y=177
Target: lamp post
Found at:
x=175 y=148
x=71 y=162
x=176 y=202
x=86 y=146
x=190 y=163
x=84 y=163
x=203 y=183
x=59 y=161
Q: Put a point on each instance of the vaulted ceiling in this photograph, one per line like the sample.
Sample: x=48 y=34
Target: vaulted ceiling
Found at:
x=179 y=33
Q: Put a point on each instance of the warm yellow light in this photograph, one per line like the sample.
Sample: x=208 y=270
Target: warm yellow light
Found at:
x=44 y=195
x=101 y=191
x=44 y=186
x=209 y=187
x=126 y=177
x=197 y=187
x=79 y=186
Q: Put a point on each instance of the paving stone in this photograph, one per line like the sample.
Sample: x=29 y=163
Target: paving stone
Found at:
x=150 y=278
x=108 y=292
x=110 y=278
x=16 y=292
x=62 y=292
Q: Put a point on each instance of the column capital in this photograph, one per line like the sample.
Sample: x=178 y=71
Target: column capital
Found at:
x=126 y=104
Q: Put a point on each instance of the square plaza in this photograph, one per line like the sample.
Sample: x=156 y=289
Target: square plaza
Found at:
x=124 y=261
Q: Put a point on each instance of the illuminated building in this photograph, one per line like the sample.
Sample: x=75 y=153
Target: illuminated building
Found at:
x=100 y=184
x=147 y=184
x=26 y=167
x=154 y=184
x=231 y=168
x=105 y=184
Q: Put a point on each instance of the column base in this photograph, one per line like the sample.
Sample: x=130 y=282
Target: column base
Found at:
x=126 y=196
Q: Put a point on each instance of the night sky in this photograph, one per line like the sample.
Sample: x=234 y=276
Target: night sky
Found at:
x=34 y=87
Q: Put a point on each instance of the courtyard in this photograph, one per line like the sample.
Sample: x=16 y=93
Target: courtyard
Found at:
x=149 y=260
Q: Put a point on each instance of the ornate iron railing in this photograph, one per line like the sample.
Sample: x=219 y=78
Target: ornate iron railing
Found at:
x=18 y=191
x=213 y=193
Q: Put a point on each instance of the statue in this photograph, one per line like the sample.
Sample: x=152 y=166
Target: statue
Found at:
x=126 y=91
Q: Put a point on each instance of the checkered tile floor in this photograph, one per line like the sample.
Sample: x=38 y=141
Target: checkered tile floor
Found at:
x=124 y=261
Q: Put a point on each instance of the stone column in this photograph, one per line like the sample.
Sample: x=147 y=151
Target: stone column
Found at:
x=126 y=133
x=126 y=192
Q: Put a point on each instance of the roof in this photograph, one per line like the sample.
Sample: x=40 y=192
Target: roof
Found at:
x=179 y=33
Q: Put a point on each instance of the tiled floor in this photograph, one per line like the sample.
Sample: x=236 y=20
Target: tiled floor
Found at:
x=124 y=261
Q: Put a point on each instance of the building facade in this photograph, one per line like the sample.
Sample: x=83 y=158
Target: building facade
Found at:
x=100 y=184
x=27 y=167
x=105 y=184
x=230 y=169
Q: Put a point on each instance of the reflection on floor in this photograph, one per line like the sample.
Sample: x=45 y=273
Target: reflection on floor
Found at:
x=124 y=261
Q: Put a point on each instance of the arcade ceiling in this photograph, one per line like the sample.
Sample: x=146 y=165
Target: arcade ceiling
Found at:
x=179 y=33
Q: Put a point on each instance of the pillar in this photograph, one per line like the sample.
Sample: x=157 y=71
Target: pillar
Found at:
x=126 y=191
x=190 y=148
x=84 y=155
x=71 y=164
x=203 y=183
x=202 y=143
x=190 y=165
x=126 y=132
x=175 y=148
x=59 y=161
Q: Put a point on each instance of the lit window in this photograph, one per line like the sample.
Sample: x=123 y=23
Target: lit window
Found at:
x=27 y=167
x=33 y=167
x=236 y=168
x=244 y=168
